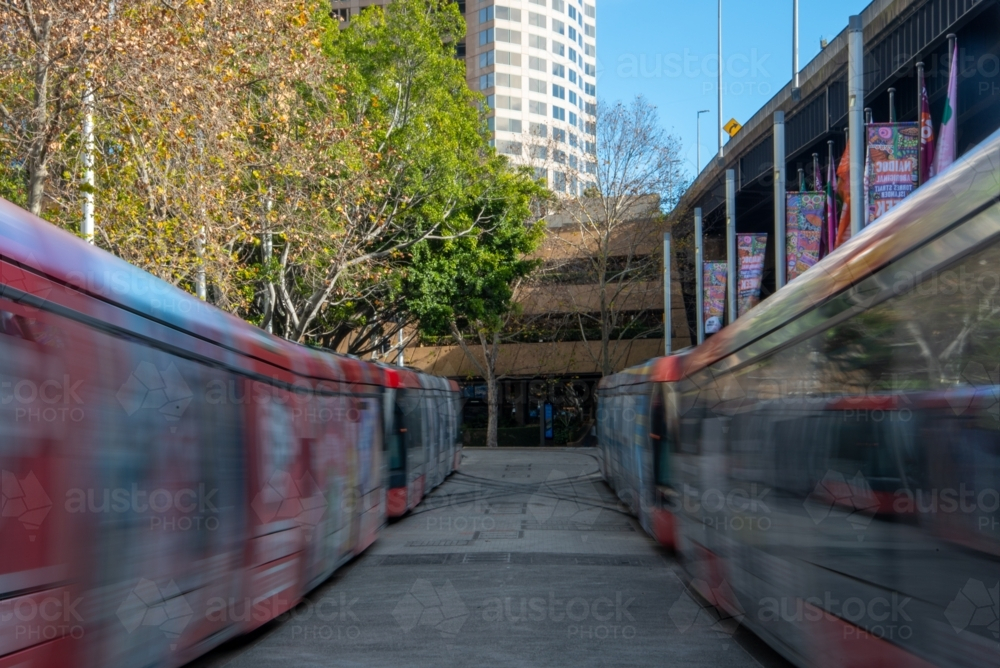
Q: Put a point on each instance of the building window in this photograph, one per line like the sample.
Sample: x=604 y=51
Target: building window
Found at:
x=559 y=182
x=559 y=135
x=572 y=34
x=559 y=27
x=572 y=140
x=505 y=102
x=508 y=58
x=589 y=50
x=558 y=113
x=591 y=148
x=538 y=2
x=572 y=119
x=509 y=147
x=508 y=80
x=572 y=97
x=539 y=152
x=590 y=70
x=559 y=91
x=536 y=107
x=591 y=90
x=558 y=5
x=537 y=86
x=538 y=129
x=486 y=37
x=508 y=124
x=536 y=63
x=509 y=36
x=591 y=110
x=589 y=30
x=536 y=42
x=487 y=81
x=486 y=15
x=572 y=55
x=541 y=173
x=572 y=12
x=559 y=156
x=486 y=59
x=509 y=14
x=559 y=70
x=572 y=161
x=589 y=10
x=341 y=15
x=558 y=48
x=591 y=167
x=591 y=129
x=537 y=20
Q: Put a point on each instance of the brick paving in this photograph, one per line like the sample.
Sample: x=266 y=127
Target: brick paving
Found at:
x=523 y=558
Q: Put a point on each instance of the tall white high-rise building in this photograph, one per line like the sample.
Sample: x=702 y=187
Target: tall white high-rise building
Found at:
x=536 y=63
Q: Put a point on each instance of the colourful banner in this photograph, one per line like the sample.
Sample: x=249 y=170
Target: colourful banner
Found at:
x=893 y=165
x=803 y=227
x=750 y=249
x=715 y=296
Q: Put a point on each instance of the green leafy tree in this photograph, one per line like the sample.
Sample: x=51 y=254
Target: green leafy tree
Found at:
x=422 y=154
x=466 y=287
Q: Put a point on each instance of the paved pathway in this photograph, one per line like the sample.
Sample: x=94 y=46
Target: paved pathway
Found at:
x=521 y=559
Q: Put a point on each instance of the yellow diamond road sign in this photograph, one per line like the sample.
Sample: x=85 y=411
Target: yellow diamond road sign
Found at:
x=732 y=127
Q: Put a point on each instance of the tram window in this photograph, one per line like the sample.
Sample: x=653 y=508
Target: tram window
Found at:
x=868 y=447
x=397 y=440
x=660 y=440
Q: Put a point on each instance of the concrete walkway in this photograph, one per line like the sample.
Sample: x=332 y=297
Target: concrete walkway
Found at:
x=524 y=558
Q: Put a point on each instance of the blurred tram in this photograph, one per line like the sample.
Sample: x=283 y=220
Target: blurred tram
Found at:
x=423 y=444
x=827 y=468
x=172 y=476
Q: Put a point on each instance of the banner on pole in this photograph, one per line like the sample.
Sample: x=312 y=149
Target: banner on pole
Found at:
x=803 y=227
x=893 y=165
x=715 y=296
x=750 y=249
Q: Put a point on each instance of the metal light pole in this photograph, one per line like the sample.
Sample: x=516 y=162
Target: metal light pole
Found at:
x=703 y=111
x=795 y=44
x=780 y=255
x=731 y=279
x=721 y=122
x=856 y=118
x=699 y=274
x=668 y=330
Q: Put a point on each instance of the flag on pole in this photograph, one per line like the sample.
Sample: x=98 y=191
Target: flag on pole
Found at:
x=844 y=194
x=817 y=174
x=926 y=159
x=831 y=204
x=944 y=155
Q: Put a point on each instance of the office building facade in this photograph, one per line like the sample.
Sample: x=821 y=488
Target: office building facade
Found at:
x=535 y=61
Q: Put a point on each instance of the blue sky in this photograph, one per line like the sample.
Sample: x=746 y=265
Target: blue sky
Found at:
x=666 y=50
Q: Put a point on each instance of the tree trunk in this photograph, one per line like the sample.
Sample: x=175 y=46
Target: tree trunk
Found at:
x=38 y=152
x=493 y=407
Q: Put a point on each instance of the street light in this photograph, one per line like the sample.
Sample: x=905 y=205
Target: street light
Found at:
x=703 y=111
x=721 y=140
